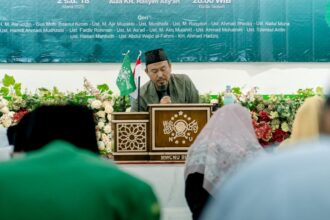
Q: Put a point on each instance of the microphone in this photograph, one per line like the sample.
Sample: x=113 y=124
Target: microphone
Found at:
x=163 y=91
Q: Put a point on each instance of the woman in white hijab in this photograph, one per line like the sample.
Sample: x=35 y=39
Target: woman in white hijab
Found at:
x=226 y=141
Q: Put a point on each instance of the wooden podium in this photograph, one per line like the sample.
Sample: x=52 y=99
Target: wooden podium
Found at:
x=163 y=134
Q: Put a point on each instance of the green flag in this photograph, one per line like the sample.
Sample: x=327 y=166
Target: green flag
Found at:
x=125 y=79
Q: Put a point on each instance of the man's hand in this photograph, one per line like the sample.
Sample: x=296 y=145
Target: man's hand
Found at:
x=165 y=100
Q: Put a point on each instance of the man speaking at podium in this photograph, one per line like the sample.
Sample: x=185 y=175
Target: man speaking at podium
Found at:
x=163 y=86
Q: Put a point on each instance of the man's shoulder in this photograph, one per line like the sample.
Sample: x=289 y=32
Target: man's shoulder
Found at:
x=145 y=87
x=180 y=76
x=181 y=79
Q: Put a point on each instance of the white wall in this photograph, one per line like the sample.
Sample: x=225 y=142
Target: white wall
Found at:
x=269 y=77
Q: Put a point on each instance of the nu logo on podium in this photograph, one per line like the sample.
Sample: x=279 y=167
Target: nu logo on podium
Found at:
x=179 y=128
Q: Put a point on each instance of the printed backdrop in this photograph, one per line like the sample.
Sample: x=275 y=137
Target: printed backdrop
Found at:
x=73 y=31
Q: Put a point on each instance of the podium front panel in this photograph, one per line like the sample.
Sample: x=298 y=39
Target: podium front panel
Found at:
x=131 y=136
x=175 y=128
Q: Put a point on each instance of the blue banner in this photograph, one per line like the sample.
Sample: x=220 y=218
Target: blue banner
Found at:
x=75 y=31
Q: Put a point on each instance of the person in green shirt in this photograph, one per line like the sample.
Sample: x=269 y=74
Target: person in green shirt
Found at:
x=164 y=87
x=65 y=178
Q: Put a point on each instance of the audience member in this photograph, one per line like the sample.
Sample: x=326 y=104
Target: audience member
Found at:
x=49 y=123
x=62 y=177
x=289 y=185
x=226 y=140
x=164 y=87
x=306 y=124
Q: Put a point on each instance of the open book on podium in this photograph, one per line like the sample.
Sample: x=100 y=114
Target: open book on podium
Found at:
x=164 y=134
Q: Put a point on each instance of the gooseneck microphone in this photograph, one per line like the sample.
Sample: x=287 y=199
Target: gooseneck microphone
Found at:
x=163 y=91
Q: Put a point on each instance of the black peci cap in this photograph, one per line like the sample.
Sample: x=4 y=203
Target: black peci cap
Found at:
x=154 y=56
x=52 y=122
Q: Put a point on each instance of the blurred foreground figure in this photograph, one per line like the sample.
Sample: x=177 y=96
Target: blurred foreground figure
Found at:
x=11 y=133
x=62 y=176
x=74 y=124
x=290 y=185
x=306 y=124
x=226 y=141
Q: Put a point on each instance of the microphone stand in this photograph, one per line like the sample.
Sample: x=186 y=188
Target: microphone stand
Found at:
x=163 y=91
x=124 y=104
x=138 y=94
x=138 y=87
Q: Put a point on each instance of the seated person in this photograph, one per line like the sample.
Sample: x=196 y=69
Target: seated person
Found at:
x=62 y=176
x=5 y=147
x=289 y=185
x=225 y=142
x=164 y=87
x=306 y=124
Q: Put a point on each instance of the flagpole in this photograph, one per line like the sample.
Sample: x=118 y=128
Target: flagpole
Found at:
x=124 y=104
x=138 y=86
x=124 y=97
